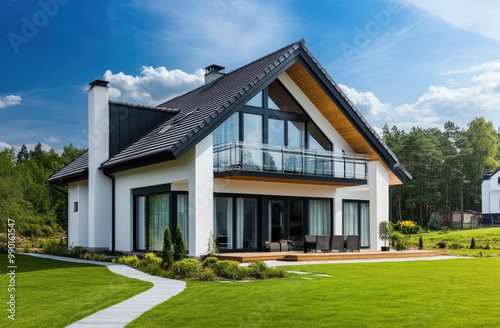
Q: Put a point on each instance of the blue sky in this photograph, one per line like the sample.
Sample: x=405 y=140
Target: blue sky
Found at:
x=403 y=62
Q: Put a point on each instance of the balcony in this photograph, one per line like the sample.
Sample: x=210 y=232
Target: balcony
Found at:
x=238 y=156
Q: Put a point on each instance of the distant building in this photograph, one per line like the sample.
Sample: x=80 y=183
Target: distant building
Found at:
x=470 y=218
x=491 y=197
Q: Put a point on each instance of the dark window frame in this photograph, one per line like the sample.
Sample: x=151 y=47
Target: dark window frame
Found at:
x=359 y=201
x=152 y=191
x=75 y=206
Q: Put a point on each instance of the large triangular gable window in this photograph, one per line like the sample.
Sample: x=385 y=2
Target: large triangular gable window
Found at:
x=274 y=118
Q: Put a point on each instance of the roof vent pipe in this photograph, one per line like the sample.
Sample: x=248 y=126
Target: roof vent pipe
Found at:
x=213 y=73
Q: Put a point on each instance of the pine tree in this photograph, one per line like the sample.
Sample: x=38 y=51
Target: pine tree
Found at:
x=179 y=247
x=420 y=243
x=472 y=243
x=167 y=256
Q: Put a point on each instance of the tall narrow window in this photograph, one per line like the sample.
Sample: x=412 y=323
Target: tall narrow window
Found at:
x=183 y=217
x=252 y=155
x=223 y=222
x=276 y=138
x=140 y=231
x=228 y=131
x=158 y=220
x=351 y=218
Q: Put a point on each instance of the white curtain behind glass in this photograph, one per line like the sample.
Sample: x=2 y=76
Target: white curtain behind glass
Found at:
x=141 y=223
x=158 y=220
x=183 y=217
x=319 y=217
x=240 y=221
x=365 y=224
x=351 y=218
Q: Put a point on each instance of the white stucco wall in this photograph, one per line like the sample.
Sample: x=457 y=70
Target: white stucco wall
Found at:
x=378 y=182
x=78 y=221
x=147 y=176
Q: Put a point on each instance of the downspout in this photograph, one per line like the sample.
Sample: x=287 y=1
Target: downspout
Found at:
x=112 y=209
x=67 y=206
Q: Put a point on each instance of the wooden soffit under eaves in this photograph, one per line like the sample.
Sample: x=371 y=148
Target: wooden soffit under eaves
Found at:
x=332 y=113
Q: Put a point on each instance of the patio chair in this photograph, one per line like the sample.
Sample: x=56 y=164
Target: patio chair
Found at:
x=323 y=243
x=272 y=246
x=309 y=243
x=353 y=243
x=338 y=243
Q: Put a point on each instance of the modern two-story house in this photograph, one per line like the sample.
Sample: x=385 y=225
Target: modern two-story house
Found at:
x=271 y=150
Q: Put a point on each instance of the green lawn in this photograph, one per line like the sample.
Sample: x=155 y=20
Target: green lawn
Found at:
x=447 y=293
x=482 y=237
x=54 y=293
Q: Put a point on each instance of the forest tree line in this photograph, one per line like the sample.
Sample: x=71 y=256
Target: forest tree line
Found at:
x=38 y=210
x=447 y=166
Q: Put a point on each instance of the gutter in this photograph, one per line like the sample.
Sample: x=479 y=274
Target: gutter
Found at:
x=67 y=207
x=55 y=188
x=113 y=224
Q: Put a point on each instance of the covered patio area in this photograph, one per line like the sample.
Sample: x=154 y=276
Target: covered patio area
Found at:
x=297 y=256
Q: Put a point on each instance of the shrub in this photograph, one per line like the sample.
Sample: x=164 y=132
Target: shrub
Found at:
x=472 y=244
x=408 y=227
x=396 y=236
x=455 y=246
x=230 y=270
x=441 y=244
x=167 y=256
x=258 y=270
x=420 y=243
x=208 y=275
x=434 y=222
x=132 y=261
x=401 y=245
x=445 y=229
x=210 y=262
x=187 y=268
x=152 y=258
x=179 y=247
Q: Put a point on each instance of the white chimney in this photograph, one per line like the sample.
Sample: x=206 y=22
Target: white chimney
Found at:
x=100 y=186
x=213 y=73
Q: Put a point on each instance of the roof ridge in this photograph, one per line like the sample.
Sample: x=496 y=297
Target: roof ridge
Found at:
x=301 y=41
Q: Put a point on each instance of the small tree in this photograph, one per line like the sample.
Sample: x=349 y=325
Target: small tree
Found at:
x=384 y=231
x=179 y=247
x=167 y=256
x=420 y=243
x=434 y=222
x=472 y=243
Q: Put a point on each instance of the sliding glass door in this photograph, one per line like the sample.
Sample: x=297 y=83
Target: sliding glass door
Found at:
x=152 y=217
x=356 y=220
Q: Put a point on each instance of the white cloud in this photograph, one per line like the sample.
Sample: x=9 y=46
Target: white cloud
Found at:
x=52 y=140
x=10 y=101
x=480 y=17
x=4 y=145
x=153 y=85
x=479 y=97
x=223 y=32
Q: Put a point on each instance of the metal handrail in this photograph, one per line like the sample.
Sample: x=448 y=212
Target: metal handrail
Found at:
x=260 y=157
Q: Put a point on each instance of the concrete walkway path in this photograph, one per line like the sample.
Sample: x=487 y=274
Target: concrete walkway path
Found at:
x=122 y=313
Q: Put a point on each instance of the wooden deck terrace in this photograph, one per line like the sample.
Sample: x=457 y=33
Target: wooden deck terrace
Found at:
x=245 y=257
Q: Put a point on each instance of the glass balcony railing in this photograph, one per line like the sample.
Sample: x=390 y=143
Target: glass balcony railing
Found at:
x=263 y=158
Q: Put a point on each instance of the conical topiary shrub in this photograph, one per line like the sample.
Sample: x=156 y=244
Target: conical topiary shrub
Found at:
x=167 y=256
x=472 y=243
x=179 y=247
x=420 y=243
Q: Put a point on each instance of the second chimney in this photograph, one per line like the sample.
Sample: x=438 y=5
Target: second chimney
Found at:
x=213 y=73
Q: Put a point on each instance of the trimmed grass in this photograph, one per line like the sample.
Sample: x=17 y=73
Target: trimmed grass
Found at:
x=442 y=293
x=53 y=293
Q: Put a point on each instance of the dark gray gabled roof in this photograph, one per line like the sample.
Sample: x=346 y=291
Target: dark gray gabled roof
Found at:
x=202 y=109
x=75 y=170
x=199 y=107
